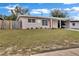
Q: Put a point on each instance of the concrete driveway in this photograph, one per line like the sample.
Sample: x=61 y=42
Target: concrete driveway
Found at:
x=67 y=52
x=73 y=29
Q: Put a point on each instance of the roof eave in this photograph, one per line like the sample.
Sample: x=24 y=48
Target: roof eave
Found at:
x=42 y=17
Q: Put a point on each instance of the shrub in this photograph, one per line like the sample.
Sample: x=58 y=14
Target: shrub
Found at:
x=40 y=27
x=36 y=28
x=31 y=27
x=27 y=28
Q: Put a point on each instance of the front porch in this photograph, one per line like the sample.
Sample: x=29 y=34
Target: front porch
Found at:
x=63 y=24
x=59 y=24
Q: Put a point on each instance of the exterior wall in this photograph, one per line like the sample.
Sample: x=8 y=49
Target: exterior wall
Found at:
x=37 y=24
x=75 y=26
x=47 y=26
x=67 y=24
x=49 y=23
x=55 y=24
x=23 y=22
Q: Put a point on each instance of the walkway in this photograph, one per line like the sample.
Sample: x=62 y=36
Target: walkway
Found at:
x=67 y=52
x=73 y=29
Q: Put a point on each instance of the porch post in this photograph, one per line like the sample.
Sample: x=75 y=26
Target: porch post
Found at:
x=51 y=23
x=60 y=23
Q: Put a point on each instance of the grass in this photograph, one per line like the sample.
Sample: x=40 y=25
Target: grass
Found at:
x=46 y=38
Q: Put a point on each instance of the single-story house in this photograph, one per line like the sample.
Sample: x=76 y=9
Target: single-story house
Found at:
x=46 y=22
x=74 y=24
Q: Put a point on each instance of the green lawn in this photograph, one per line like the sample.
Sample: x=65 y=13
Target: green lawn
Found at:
x=38 y=38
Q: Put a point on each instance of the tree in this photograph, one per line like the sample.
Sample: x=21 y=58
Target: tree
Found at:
x=19 y=11
x=11 y=17
x=59 y=13
x=15 y=12
x=2 y=17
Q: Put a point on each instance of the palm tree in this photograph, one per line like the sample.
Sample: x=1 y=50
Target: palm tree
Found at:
x=19 y=11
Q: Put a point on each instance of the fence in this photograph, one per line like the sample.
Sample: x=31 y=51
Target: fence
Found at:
x=8 y=24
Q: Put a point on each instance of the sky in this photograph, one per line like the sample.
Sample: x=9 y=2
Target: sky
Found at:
x=36 y=9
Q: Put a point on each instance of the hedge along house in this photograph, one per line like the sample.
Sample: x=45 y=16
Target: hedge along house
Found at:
x=42 y=22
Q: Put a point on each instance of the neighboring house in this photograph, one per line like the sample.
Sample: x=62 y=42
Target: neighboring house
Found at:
x=74 y=24
x=42 y=22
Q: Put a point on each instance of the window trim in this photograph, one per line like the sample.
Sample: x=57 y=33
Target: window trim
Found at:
x=31 y=20
x=44 y=22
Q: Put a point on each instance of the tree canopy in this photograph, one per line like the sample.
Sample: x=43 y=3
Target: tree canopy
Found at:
x=17 y=11
x=59 y=13
x=10 y=17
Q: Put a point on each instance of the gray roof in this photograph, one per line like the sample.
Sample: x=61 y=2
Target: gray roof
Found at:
x=42 y=17
x=74 y=20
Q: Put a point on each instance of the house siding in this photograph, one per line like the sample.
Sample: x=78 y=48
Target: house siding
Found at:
x=75 y=26
x=55 y=24
x=37 y=24
x=52 y=22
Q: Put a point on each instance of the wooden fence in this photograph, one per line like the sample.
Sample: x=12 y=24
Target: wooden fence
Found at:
x=8 y=24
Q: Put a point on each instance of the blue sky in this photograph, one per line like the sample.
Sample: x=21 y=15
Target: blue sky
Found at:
x=36 y=8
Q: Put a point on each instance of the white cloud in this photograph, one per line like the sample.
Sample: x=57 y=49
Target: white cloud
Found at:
x=75 y=8
x=35 y=12
x=56 y=8
x=39 y=11
x=67 y=9
x=72 y=9
x=10 y=7
x=76 y=17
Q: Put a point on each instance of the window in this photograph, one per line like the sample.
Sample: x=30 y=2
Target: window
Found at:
x=73 y=24
x=44 y=22
x=31 y=20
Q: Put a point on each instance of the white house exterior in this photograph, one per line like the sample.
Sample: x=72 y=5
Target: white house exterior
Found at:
x=74 y=24
x=46 y=22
